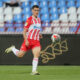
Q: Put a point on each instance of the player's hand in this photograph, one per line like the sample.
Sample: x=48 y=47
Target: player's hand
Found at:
x=27 y=43
x=40 y=36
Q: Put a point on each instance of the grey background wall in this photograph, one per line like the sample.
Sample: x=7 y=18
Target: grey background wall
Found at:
x=69 y=57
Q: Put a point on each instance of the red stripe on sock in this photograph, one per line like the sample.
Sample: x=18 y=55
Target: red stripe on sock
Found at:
x=35 y=59
x=17 y=52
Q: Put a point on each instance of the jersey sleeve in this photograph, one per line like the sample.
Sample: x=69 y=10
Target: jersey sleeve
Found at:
x=28 y=23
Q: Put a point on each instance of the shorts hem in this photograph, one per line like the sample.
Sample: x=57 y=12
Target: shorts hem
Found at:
x=36 y=46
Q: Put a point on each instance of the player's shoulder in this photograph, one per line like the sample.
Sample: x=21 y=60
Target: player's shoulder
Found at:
x=30 y=18
x=39 y=18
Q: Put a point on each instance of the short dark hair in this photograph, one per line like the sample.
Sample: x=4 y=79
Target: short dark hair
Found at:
x=35 y=6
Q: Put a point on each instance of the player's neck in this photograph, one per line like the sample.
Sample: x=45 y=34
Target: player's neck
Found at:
x=34 y=16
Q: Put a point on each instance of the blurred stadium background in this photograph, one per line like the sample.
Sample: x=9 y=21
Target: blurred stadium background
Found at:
x=57 y=16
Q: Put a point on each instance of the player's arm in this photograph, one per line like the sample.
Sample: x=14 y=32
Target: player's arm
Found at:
x=25 y=37
x=40 y=35
x=24 y=34
x=26 y=26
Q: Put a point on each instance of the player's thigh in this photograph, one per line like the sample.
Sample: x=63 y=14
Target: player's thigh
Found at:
x=21 y=53
x=36 y=51
x=23 y=50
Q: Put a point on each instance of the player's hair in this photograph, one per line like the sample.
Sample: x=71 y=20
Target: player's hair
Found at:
x=35 y=6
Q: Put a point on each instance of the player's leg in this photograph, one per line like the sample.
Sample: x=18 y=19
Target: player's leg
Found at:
x=36 y=54
x=18 y=53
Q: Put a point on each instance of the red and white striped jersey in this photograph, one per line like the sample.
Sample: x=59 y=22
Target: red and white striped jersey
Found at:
x=33 y=25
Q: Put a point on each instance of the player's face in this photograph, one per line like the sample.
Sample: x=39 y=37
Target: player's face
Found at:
x=35 y=11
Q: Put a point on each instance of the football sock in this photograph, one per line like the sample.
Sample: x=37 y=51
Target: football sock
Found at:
x=15 y=51
x=34 y=64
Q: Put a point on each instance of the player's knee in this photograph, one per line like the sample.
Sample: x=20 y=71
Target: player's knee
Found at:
x=20 y=55
x=36 y=55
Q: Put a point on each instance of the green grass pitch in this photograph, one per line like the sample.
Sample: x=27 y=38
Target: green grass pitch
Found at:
x=47 y=73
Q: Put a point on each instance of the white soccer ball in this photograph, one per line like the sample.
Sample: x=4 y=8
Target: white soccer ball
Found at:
x=55 y=38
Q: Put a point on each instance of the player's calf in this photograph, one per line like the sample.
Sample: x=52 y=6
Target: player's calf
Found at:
x=21 y=54
x=15 y=51
x=36 y=53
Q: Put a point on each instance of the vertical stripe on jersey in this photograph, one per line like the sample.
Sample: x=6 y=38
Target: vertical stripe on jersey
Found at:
x=30 y=34
x=33 y=35
x=37 y=36
x=38 y=20
x=35 y=21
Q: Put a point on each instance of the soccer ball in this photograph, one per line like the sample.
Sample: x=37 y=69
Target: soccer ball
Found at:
x=55 y=38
